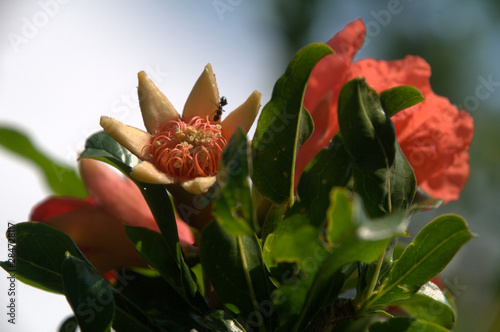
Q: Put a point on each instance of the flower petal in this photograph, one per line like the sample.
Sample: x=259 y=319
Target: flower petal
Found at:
x=204 y=97
x=55 y=206
x=155 y=107
x=147 y=172
x=131 y=138
x=199 y=185
x=322 y=134
x=329 y=75
x=126 y=203
x=100 y=236
x=243 y=116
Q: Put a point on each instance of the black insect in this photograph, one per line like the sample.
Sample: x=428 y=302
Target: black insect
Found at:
x=219 y=110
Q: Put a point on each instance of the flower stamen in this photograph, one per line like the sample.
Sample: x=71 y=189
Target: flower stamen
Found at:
x=187 y=150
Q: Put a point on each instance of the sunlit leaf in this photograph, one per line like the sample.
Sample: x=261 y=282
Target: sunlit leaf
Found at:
x=400 y=98
x=428 y=254
x=283 y=126
x=430 y=304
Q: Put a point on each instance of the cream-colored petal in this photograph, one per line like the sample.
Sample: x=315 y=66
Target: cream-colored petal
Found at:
x=131 y=138
x=243 y=116
x=204 y=97
x=155 y=107
x=148 y=173
x=199 y=185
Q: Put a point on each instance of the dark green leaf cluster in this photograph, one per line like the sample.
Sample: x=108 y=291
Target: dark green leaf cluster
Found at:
x=319 y=257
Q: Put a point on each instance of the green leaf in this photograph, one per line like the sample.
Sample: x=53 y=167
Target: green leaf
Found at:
x=400 y=98
x=430 y=304
x=283 y=126
x=428 y=254
x=63 y=180
x=88 y=294
x=154 y=250
x=219 y=321
x=233 y=206
x=40 y=253
x=382 y=175
x=406 y=324
x=138 y=294
x=101 y=146
x=233 y=264
x=69 y=325
x=331 y=167
x=128 y=317
x=346 y=217
x=351 y=239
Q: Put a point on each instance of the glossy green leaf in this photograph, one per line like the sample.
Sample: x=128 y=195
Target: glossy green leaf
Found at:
x=154 y=250
x=62 y=179
x=400 y=98
x=233 y=206
x=304 y=294
x=40 y=252
x=382 y=175
x=352 y=238
x=234 y=266
x=331 y=167
x=430 y=304
x=406 y=324
x=88 y=294
x=428 y=254
x=283 y=126
x=101 y=146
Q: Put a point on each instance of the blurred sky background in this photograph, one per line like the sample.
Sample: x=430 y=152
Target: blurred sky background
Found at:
x=63 y=64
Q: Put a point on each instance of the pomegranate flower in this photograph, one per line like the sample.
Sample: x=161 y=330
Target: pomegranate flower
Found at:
x=95 y=224
x=181 y=150
x=434 y=135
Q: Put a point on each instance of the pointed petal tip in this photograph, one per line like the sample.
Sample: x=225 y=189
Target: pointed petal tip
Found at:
x=133 y=139
x=155 y=107
x=243 y=116
x=204 y=97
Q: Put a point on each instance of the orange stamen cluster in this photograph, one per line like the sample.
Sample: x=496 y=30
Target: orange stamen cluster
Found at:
x=187 y=150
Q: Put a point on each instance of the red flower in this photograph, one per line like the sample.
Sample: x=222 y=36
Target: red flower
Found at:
x=96 y=223
x=434 y=135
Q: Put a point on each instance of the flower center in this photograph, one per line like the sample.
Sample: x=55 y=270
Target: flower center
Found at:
x=187 y=150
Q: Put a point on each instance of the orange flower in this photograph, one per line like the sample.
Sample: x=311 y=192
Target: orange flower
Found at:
x=96 y=223
x=434 y=135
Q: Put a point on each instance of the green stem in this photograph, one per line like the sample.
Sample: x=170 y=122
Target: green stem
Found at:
x=360 y=303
